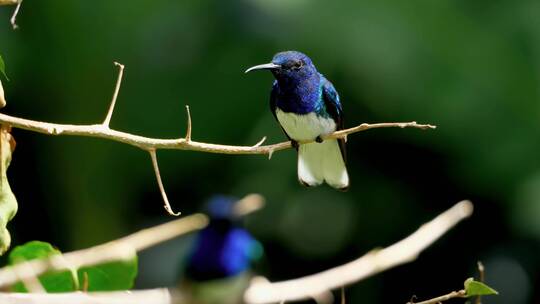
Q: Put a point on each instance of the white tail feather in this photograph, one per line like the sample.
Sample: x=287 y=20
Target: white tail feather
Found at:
x=318 y=162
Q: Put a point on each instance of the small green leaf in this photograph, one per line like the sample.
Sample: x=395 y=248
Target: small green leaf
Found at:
x=111 y=276
x=3 y=67
x=117 y=275
x=475 y=288
x=51 y=281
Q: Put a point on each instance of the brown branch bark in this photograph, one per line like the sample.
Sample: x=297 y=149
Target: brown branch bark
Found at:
x=147 y=143
x=151 y=145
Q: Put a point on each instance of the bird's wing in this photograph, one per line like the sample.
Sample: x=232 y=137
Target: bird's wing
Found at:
x=333 y=107
x=273 y=99
x=273 y=105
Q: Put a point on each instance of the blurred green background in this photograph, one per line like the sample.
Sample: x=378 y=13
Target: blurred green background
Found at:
x=470 y=67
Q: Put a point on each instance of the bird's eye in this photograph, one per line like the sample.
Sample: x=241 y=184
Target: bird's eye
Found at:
x=297 y=65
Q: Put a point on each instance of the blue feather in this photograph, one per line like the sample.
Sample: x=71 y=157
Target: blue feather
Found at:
x=308 y=107
x=222 y=249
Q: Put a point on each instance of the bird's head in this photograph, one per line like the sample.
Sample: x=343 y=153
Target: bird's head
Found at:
x=221 y=207
x=288 y=66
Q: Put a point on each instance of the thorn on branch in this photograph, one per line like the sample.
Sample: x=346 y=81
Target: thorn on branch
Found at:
x=107 y=120
x=160 y=183
x=188 y=131
x=258 y=144
x=14 y=16
x=85 y=282
x=270 y=153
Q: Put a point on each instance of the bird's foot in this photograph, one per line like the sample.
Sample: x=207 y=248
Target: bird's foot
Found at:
x=295 y=144
x=319 y=139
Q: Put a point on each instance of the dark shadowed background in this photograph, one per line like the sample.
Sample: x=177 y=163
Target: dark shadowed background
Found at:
x=470 y=67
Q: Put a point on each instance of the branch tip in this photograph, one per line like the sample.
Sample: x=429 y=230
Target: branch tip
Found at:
x=107 y=120
x=188 y=130
x=249 y=204
x=167 y=205
x=13 y=20
x=465 y=208
x=260 y=142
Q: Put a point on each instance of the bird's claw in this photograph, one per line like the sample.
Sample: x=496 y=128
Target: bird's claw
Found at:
x=295 y=144
x=319 y=139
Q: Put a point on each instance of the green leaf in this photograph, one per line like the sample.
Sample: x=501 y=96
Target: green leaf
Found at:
x=52 y=281
x=3 y=67
x=475 y=288
x=118 y=275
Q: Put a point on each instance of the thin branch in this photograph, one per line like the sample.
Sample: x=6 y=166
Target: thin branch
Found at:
x=13 y=19
x=153 y=144
x=368 y=265
x=188 y=130
x=28 y=277
x=160 y=183
x=260 y=142
x=121 y=249
x=107 y=120
x=249 y=204
x=150 y=296
x=147 y=143
x=446 y=297
x=481 y=274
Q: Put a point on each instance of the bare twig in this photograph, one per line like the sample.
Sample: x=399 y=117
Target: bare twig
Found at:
x=13 y=19
x=160 y=183
x=107 y=120
x=260 y=142
x=481 y=277
x=147 y=143
x=27 y=275
x=250 y=203
x=370 y=264
x=152 y=144
x=481 y=272
x=150 y=296
x=85 y=282
x=188 y=130
x=446 y=297
x=121 y=249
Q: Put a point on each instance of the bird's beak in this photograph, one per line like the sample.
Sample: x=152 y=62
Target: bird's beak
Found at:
x=266 y=66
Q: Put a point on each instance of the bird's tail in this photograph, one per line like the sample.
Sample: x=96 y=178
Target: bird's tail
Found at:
x=318 y=162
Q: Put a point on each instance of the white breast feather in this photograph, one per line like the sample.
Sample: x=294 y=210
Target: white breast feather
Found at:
x=317 y=162
x=305 y=126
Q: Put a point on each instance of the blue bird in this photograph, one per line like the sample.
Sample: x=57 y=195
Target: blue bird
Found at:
x=218 y=267
x=307 y=106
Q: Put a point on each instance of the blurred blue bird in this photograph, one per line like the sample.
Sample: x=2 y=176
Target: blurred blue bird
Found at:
x=218 y=267
x=307 y=106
